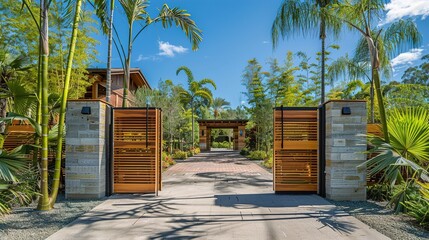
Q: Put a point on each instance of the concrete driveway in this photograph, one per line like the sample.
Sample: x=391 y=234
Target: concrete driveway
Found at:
x=217 y=195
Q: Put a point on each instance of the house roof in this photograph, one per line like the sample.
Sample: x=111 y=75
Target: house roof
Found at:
x=135 y=73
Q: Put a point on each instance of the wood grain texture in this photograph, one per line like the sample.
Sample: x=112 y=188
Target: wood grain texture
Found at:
x=295 y=164
x=137 y=141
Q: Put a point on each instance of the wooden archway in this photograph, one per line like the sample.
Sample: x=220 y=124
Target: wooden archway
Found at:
x=238 y=126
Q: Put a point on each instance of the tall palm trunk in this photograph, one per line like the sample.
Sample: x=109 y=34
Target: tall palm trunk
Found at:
x=58 y=156
x=192 y=110
x=371 y=96
x=127 y=65
x=109 y=53
x=44 y=198
x=375 y=64
x=322 y=38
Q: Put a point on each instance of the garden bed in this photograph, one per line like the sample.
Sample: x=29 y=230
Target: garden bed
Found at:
x=27 y=223
x=375 y=215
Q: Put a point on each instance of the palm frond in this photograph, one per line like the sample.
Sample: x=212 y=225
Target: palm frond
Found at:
x=181 y=18
x=10 y=164
x=207 y=81
x=187 y=71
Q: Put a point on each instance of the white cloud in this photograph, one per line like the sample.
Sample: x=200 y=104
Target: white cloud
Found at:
x=169 y=50
x=145 y=58
x=398 y=9
x=265 y=42
x=406 y=58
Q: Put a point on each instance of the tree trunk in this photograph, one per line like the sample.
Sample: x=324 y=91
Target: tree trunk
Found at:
x=372 y=100
x=109 y=53
x=375 y=63
x=3 y=113
x=61 y=127
x=127 y=66
x=44 y=198
x=192 y=110
x=382 y=111
x=322 y=37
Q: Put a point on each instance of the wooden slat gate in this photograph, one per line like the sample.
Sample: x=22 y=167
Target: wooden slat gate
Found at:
x=295 y=167
x=137 y=139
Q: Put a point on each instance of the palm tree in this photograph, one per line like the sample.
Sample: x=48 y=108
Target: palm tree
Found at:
x=135 y=10
x=379 y=42
x=218 y=105
x=11 y=67
x=296 y=16
x=196 y=89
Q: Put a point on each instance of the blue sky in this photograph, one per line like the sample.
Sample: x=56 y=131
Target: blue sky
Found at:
x=234 y=32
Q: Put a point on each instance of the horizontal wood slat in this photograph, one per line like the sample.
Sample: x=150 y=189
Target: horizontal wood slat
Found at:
x=295 y=165
x=136 y=150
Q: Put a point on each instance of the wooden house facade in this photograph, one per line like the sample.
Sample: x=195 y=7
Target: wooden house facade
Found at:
x=98 y=88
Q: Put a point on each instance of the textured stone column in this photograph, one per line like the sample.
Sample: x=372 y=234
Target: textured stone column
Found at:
x=85 y=164
x=345 y=147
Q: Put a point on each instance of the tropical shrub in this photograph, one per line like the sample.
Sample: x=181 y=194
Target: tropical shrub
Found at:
x=17 y=181
x=223 y=144
x=419 y=206
x=180 y=155
x=167 y=160
x=244 y=151
x=268 y=163
x=403 y=161
x=258 y=155
x=379 y=192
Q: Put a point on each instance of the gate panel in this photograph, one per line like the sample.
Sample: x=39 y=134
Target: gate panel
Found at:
x=137 y=150
x=295 y=165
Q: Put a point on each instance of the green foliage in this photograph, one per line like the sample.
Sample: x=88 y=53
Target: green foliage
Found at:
x=167 y=160
x=418 y=74
x=268 y=163
x=257 y=155
x=223 y=144
x=17 y=180
x=180 y=155
x=379 y=192
x=400 y=161
x=418 y=207
x=244 y=152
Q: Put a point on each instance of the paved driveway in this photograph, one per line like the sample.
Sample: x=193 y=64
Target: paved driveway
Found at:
x=217 y=195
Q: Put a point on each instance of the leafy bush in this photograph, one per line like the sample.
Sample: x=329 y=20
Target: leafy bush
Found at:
x=167 y=160
x=223 y=144
x=268 y=163
x=180 y=155
x=244 y=152
x=419 y=206
x=197 y=150
x=379 y=192
x=258 y=155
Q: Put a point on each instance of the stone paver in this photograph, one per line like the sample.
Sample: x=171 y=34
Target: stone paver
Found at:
x=227 y=198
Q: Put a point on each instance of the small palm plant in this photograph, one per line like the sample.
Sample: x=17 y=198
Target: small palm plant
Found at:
x=404 y=160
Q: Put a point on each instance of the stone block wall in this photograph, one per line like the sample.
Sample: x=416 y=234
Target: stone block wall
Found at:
x=345 y=147
x=85 y=164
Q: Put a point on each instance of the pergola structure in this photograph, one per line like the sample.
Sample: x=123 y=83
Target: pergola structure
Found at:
x=238 y=127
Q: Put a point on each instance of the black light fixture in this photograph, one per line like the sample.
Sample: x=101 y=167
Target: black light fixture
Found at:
x=241 y=133
x=86 y=110
x=346 y=111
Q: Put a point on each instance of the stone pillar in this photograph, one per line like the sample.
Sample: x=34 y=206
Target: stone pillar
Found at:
x=241 y=137
x=203 y=138
x=85 y=164
x=345 y=147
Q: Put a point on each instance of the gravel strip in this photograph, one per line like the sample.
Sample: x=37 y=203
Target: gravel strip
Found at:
x=27 y=223
x=396 y=227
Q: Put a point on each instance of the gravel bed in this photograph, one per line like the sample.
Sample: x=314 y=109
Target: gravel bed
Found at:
x=375 y=215
x=27 y=223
